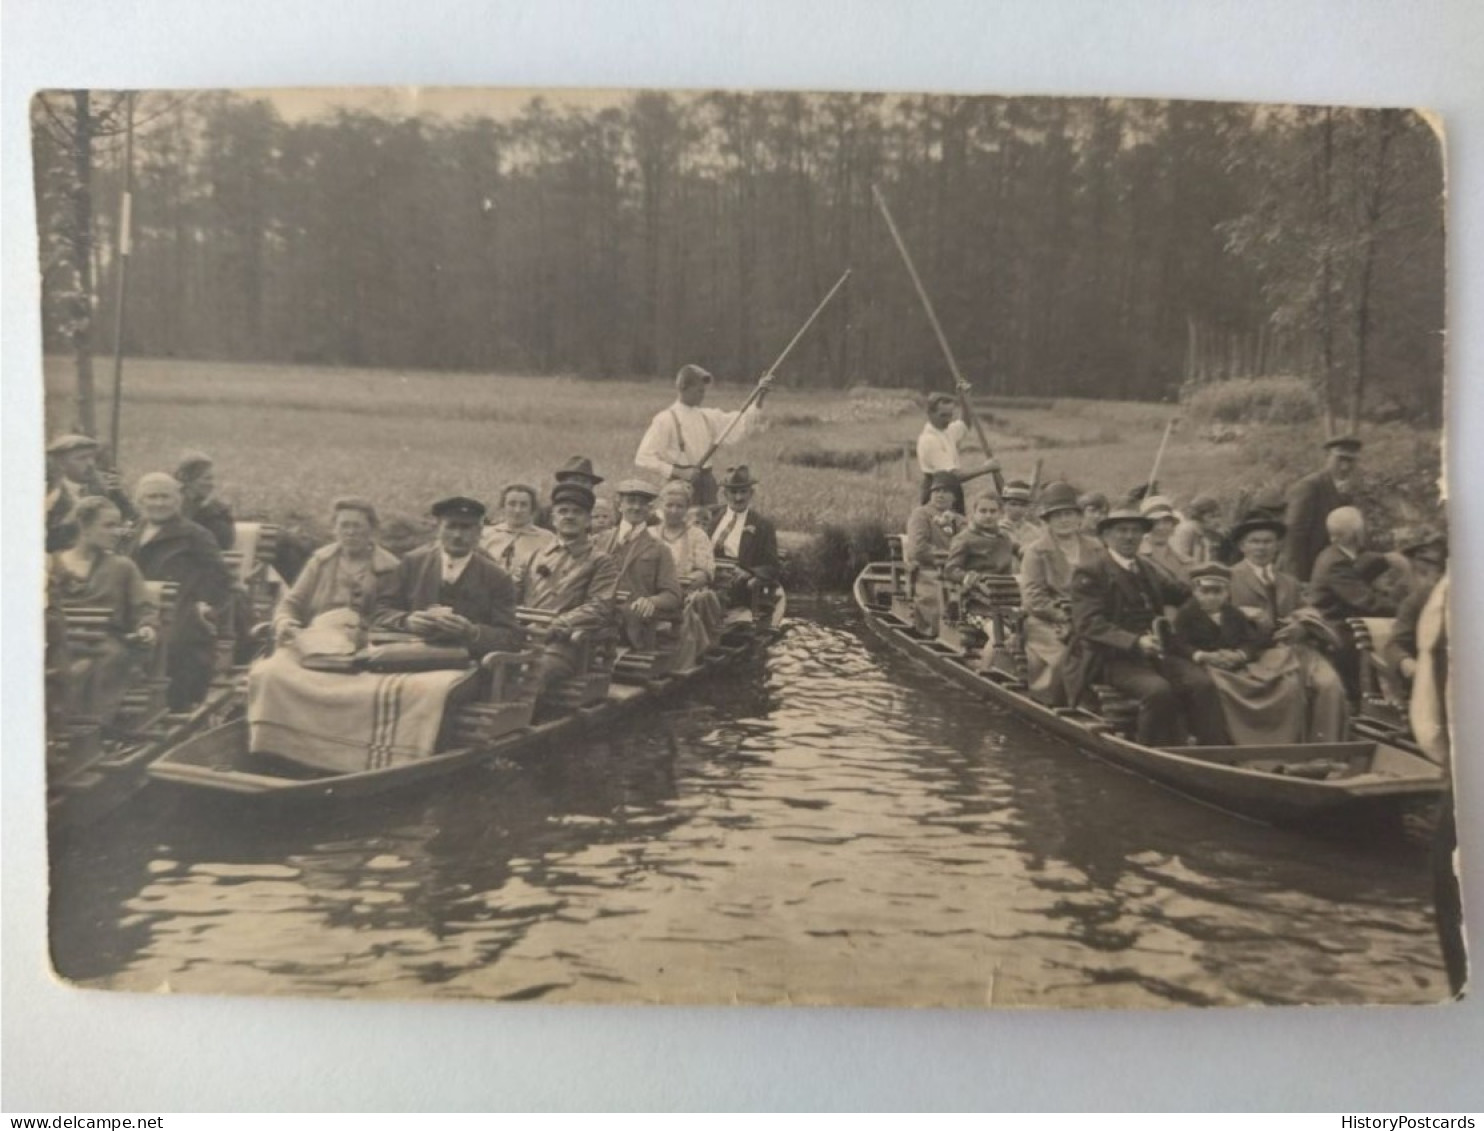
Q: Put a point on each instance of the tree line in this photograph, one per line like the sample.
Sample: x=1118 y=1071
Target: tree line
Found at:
x=1076 y=247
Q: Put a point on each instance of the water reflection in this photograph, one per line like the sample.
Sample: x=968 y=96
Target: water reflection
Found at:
x=830 y=824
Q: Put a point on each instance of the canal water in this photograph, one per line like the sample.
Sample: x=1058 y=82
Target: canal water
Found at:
x=829 y=824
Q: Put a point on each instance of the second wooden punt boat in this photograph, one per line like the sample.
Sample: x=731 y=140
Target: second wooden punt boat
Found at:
x=1290 y=785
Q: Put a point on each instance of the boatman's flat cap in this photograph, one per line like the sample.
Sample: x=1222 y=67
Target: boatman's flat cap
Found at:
x=637 y=487
x=691 y=375
x=1349 y=444
x=578 y=469
x=573 y=492
x=72 y=442
x=1210 y=576
x=459 y=506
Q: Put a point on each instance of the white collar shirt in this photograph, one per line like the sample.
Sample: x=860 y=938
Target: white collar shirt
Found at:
x=937 y=448
x=728 y=538
x=453 y=568
x=1123 y=562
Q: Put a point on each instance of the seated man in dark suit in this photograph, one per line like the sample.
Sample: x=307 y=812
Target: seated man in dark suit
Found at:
x=1343 y=586
x=450 y=593
x=1115 y=600
x=646 y=568
x=747 y=539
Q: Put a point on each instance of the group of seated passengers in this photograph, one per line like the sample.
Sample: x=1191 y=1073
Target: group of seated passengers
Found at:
x=463 y=589
x=1243 y=653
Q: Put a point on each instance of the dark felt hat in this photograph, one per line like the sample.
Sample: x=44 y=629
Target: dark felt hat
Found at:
x=1124 y=514
x=578 y=469
x=1058 y=497
x=1432 y=549
x=738 y=477
x=1254 y=521
x=943 y=481
x=573 y=492
x=459 y=506
x=1349 y=444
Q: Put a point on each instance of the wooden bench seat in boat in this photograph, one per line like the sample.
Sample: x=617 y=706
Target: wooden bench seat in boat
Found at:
x=595 y=658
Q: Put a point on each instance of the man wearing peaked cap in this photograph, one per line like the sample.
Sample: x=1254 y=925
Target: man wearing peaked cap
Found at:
x=73 y=475
x=679 y=437
x=1429 y=558
x=451 y=593
x=743 y=536
x=646 y=567
x=1312 y=499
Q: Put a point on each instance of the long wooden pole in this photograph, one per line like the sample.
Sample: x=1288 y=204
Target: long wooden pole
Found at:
x=1159 y=457
x=963 y=388
x=762 y=383
x=126 y=219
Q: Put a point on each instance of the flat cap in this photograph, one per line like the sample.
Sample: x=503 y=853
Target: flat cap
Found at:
x=1350 y=444
x=637 y=487
x=72 y=442
x=459 y=506
x=573 y=492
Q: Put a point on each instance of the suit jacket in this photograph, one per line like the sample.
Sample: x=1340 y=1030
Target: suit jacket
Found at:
x=757 y=552
x=1339 y=591
x=577 y=582
x=484 y=593
x=1111 y=608
x=188 y=555
x=1309 y=502
x=1273 y=605
x=1197 y=632
x=648 y=568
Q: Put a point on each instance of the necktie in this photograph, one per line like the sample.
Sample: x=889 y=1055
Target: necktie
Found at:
x=725 y=529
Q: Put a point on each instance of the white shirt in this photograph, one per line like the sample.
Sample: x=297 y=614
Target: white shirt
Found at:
x=937 y=449
x=453 y=568
x=727 y=540
x=1126 y=563
x=662 y=447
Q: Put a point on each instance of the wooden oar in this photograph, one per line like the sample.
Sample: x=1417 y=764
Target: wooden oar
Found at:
x=1159 y=456
x=762 y=382
x=963 y=387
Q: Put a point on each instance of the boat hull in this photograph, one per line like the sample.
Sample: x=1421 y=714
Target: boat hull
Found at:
x=1222 y=777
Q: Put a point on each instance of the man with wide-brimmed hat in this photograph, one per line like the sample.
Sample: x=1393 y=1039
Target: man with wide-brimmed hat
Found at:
x=448 y=592
x=1429 y=558
x=73 y=475
x=742 y=536
x=646 y=568
x=573 y=579
x=679 y=437
x=1312 y=499
x=1116 y=599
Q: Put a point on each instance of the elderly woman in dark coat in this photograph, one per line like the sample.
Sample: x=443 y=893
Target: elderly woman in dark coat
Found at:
x=167 y=547
x=90 y=574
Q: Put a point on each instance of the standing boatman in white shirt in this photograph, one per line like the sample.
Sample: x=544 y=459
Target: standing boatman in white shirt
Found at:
x=681 y=436
x=937 y=448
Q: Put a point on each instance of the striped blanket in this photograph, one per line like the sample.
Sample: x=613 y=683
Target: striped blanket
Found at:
x=349 y=722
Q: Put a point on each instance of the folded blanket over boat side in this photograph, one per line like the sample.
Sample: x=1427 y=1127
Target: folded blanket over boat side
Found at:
x=349 y=722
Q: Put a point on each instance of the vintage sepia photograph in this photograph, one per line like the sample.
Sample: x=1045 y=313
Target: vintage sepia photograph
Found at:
x=706 y=547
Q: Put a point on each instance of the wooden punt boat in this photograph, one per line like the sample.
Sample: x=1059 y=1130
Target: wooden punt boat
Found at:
x=219 y=761
x=1288 y=785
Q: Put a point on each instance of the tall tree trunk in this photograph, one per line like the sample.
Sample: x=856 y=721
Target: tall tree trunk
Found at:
x=1326 y=285
x=1375 y=202
x=82 y=261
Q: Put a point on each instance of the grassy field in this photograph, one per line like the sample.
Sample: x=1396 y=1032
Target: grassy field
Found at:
x=289 y=439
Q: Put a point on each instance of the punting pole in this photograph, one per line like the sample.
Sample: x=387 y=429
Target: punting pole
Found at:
x=126 y=209
x=1159 y=456
x=927 y=305
x=760 y=388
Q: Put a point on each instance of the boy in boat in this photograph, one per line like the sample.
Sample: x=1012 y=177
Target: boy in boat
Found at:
x=646 y=568
x=572 y=579
x=982 y=548
x=447 y=593
x=1116 y=598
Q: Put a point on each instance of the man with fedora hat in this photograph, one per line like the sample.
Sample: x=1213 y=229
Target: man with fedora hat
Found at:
x=1262 y=591
x=680 y=436
x=1116 y=599
x=572 y=579
x=646 y=567
x=741 y=535
x=448 y=592
x=1429 y=558
x=73 y=475
x=1310 y=502
x=578 y=469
